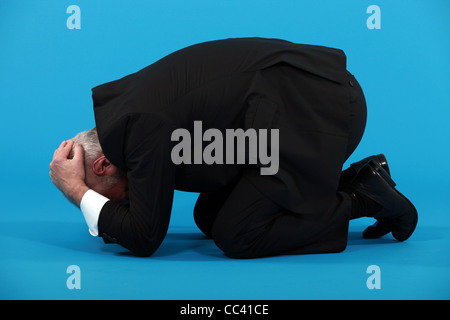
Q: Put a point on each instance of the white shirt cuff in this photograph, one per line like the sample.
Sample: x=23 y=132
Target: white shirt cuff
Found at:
x=91 y=205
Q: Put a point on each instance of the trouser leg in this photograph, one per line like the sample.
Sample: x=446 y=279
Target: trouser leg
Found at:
x=249 y=225
x=358 y=116
x=357 y=125
x=207 y=206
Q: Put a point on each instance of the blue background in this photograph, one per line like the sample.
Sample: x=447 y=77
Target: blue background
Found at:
x=47 y=72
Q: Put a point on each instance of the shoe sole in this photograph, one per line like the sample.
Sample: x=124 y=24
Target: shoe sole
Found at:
x=381 y=228
x=391 y=183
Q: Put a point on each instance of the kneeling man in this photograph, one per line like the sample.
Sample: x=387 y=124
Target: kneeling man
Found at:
x=259 y=127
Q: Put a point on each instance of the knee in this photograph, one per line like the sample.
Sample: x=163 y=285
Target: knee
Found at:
x=231 y=244
x=204 y=220
x=203 y=224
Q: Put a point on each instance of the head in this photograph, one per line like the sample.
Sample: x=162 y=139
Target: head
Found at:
x=101 y=175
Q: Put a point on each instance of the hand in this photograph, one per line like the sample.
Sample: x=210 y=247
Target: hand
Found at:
x=68 y=174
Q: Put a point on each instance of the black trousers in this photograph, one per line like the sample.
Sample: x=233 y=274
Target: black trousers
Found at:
x=246 y=224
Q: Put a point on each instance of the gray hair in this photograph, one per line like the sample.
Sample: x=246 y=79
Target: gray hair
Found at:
x=89 y=141
x=92 y=150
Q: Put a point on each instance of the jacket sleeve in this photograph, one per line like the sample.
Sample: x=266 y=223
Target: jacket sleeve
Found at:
x=142 y=225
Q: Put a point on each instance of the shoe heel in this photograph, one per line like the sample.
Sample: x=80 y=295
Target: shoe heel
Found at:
x=384 y=164
x=382 y=173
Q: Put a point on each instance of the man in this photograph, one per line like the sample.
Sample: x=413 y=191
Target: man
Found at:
x=122 y=173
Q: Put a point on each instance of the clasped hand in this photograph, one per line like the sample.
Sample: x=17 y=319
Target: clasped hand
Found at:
x=68 y=175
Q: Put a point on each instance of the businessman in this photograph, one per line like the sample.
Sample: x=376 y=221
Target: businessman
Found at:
x=259 y=127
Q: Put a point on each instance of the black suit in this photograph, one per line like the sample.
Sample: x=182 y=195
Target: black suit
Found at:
x=256 y=83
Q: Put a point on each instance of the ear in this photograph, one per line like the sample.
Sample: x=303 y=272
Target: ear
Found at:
x=102 y=167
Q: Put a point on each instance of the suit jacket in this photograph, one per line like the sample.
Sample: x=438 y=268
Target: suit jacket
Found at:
x=227 y=84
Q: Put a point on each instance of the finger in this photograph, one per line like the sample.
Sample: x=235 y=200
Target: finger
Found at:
x=78 y=153
x=61 y=146
x=64 y=152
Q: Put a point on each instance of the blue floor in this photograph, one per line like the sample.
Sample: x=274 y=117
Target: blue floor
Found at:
x=40 y=239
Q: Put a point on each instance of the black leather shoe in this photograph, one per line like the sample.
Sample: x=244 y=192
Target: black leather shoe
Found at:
x=380 y=227
x=350 y=173
x=397 y=213
x=379 y=159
